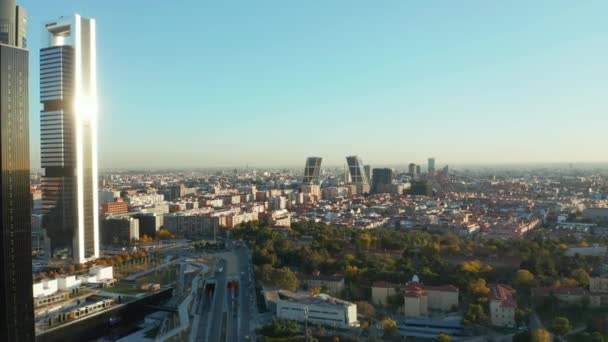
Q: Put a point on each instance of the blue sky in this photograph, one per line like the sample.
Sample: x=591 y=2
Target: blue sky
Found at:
x=268 y=82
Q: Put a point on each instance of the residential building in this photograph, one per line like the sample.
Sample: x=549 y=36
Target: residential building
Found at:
x=106 y=196
x=382 y=290
x=16 y=310
x=502 y=305
x=113 y=208
x=68 y=92
x=596 y=214
x=419 y=299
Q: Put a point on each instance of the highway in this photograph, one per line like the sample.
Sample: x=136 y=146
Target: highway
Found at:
x=246 y=294
x=238 y=304
x=217 y=308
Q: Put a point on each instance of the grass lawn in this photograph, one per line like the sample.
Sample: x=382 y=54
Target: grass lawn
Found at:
x=163 y=276
x=122 y=288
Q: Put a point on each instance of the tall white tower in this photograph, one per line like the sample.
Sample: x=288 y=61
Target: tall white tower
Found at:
x=68 y=92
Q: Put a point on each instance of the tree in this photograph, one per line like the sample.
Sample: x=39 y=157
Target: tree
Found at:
x=164 y=234
x=597 y=337
x=71 y=269
x=365 y=309
x=474 y=314
x=444 y=338
x=473 y=266
x=581 y=276
x=523 y=278
x=561 y=325
x=479 y=290
x=389 y=326
x=395 y=300
x=541 y=335
x=364 y=241
x=315 y=291
x=281 y=328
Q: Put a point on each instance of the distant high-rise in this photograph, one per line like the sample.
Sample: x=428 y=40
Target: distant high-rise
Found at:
x=312 y=170
x=357 y=173
x=411 y=169
x=431 y=166
x=382 y=180
x=356 y=170
x=368 y=172
x=16 y=308
x=417 y=170
x=68 y=92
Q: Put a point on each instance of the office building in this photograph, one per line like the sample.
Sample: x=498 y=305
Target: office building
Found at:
x=121 y=229
x=368 y=173
x=382 y=181
x=319 y=309
x=68 y=92
x=150 y=224
x=411 y=169
x=431 y=166
x=16 y=310
x=421 y=188
x=357 y=174
x=312 y=170
x=417 y=170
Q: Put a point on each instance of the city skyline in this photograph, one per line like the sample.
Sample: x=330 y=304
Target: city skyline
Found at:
x=495 y=81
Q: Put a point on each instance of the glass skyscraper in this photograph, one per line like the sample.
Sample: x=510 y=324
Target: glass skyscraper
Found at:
x=312 y=170
x=16 y=303
x=68 y=92
x=357 y=170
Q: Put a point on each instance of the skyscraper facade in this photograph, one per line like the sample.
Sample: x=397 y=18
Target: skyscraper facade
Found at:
x=368 y=172
x=382 y=180
x=68 y=92
x=356 y=169
x=16 y=308
x=312 y=170
x=431 y=166
x=411 y=169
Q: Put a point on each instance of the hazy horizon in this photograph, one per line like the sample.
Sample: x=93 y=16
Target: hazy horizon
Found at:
x=198 y=84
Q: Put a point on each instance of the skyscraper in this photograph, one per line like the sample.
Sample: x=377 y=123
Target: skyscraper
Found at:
x=431 y=166
x=357 y=173
x=368 y=172
x=382 y=180
x=16 y=308
x=411 y=169
x=312 y=170
x=356 y=169
x=68 y=92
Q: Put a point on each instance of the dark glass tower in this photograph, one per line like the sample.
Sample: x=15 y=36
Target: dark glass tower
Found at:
x=312 y=170
x=382 y=180
x=16 y=305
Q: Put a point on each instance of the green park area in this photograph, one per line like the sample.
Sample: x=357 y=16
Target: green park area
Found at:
x=161 y=276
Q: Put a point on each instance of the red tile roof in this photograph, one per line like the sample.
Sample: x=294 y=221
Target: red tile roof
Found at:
x=504 y=294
